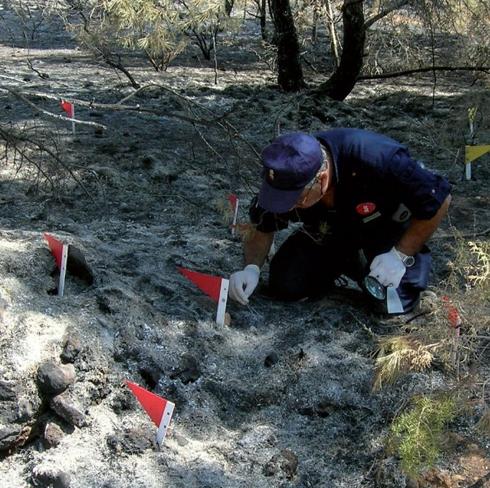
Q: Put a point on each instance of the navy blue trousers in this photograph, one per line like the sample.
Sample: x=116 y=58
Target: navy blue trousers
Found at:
x=303 y=268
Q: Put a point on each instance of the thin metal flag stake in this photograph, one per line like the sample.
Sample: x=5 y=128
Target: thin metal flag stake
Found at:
x=73 y=116
x=234 y=201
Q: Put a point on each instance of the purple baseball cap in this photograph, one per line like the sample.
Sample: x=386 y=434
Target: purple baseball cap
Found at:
x=290 y=162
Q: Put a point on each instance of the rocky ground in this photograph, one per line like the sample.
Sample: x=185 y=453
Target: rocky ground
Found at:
x=282 y=397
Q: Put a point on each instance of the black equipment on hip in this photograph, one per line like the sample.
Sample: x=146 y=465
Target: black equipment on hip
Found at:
x=374 y=287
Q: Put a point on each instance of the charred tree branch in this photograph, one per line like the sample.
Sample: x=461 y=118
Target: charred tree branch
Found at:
x=485 y=69
x=23 y=98
x=387 y=10
x=210 y=119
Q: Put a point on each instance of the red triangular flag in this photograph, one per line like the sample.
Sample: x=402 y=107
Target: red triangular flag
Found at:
x=233 y=199
x=68 y=107
x=56 y=248
x=209 y=284
x=153 y=404
x=159 y=409
x=452 y=313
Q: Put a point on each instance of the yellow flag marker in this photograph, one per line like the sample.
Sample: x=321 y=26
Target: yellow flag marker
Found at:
x=470 y=154
x=474 y=152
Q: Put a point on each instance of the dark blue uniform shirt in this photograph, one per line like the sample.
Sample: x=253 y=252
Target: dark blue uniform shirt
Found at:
x=378 y=187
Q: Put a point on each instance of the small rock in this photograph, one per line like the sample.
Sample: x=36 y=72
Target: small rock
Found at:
x=7 y=391
x=71 y=349
x=8 y=436
x=180 y=439
x=64 y=406
x=272 y=467
x=19 y=402
x=289 y=463
x=271 y=359
x=55 y=378
x=27 y=408
x=43 y=477
x=53 y=434
x=130 y=441
x=285 y=461
x=227 y=320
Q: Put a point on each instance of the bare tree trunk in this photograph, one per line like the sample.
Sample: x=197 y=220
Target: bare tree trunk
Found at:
x=334 y=42
x=263 y=19
x=314 y=27
x=229 y=6
x=215 y=57
x=290 y=73
x=341 y=83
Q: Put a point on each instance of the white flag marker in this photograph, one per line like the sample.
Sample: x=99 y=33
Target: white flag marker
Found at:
x=214 y=286
x=165 y=422
x=223 y=298
x=64 y=259
x=159 y=409
x=59 y=250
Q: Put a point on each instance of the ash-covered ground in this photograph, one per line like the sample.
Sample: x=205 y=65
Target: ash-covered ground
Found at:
x=282 y=397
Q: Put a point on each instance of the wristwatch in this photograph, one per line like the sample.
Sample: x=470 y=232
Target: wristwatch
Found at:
x=407 y=260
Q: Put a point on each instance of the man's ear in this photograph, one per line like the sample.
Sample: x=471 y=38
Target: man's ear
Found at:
x=324 y=179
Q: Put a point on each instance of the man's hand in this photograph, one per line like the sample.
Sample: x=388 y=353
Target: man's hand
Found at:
x=388 y=268
x=243 y=283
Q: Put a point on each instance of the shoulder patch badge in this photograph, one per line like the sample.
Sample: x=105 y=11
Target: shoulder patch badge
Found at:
x=366 y=208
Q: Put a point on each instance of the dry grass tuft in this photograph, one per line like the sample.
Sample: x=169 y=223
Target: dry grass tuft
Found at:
x=225 y=210
x=458 y=318
x=398 y=355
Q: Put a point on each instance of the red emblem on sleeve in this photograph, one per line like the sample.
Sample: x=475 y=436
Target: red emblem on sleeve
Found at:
x=366 y=208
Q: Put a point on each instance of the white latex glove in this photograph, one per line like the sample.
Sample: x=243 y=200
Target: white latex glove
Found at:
x=243 y=283
x=388 y=268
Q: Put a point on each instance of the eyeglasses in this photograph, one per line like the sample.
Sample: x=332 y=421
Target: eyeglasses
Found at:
x=306 y=192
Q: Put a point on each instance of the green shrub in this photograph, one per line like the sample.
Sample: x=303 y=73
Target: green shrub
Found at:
x=417 y=435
